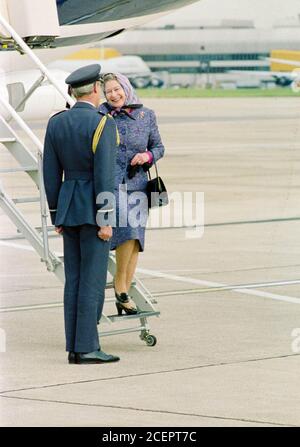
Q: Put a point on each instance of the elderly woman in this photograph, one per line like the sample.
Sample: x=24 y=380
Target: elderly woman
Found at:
x=140 y=146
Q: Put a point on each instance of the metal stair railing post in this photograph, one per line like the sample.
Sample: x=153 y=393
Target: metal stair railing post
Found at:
x=19 y=150
x=54 y=264
x=43 y=207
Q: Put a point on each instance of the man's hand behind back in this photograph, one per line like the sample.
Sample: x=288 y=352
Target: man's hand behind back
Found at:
x=105 y=233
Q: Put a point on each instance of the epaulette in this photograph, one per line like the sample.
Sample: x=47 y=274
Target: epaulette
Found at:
x=99 y=130
x=58 y=113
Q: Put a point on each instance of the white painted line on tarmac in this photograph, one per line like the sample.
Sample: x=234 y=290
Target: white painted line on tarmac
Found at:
x=273 y=296
x=23 y=275
x=23 y=247
x=201 y=282
x=13 y=245
x=30 y=307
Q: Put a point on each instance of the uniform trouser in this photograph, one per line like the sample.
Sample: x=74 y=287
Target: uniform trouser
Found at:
x=85 y=259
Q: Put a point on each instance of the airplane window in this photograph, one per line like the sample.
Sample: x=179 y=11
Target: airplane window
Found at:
x=16 y=93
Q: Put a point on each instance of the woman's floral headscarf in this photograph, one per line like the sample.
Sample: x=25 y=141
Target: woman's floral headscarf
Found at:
x=132 y=99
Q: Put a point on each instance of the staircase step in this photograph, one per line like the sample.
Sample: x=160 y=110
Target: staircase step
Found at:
x=7 y=140
x=151 y=313
x=26 y=200
x=49 y=228
x=25 y=169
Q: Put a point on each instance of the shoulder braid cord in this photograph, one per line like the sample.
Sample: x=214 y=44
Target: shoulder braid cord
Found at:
x=99 y=130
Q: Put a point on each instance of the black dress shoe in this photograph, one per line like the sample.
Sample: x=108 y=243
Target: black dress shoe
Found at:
x=71 y=357
x=95 y=357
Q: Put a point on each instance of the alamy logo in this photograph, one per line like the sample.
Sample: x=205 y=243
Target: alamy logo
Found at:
x=184 y=210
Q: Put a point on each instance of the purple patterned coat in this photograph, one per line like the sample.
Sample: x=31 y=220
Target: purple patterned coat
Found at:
x=138 y=133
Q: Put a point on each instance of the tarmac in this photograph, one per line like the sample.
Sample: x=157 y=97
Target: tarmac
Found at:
x=228 y=337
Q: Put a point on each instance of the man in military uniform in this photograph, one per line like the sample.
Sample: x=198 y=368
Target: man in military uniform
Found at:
x=75 y=149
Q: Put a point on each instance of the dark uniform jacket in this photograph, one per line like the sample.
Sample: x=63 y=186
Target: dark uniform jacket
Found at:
x=73 y=174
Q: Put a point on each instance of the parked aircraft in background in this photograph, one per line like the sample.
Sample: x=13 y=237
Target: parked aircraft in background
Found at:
x=279 y=78
x=294 y=74
x=284 y=69
x=133 y=67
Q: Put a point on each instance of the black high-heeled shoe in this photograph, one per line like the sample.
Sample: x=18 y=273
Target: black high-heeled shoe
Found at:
x=122 y=299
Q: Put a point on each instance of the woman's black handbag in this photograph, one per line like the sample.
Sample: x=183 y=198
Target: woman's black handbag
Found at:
x=156 y=191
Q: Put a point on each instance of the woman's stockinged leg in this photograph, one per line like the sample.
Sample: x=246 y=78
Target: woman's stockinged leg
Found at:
x=123 y=257
x=132 y=264
x=124 y=254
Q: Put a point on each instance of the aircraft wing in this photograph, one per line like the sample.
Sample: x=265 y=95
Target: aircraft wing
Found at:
x=48 y=24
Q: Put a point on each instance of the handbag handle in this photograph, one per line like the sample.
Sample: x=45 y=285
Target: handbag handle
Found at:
x=157 y=176
x=155 y=170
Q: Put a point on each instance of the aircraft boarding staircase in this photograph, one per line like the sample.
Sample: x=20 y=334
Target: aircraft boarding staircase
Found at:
x=38 y=237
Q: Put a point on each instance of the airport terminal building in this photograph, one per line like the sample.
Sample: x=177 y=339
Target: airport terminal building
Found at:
x=207 y=53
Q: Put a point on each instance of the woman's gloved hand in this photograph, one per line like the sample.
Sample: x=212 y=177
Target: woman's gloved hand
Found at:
x=132 y=170
x=141 y=158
